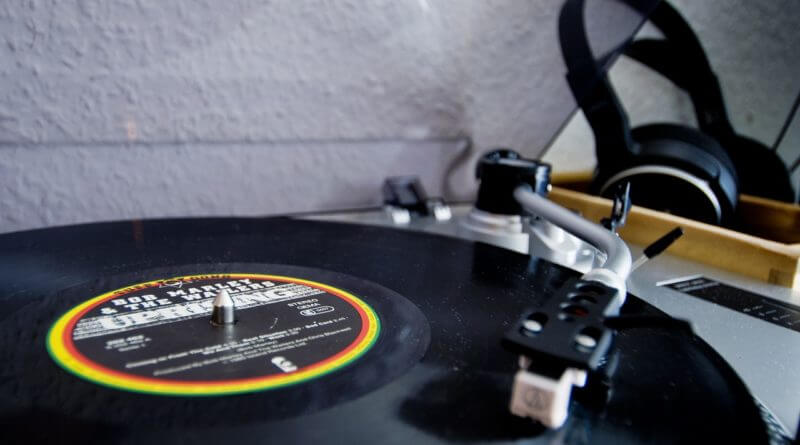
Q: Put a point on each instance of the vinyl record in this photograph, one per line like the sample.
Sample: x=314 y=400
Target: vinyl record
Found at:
x=344 y=333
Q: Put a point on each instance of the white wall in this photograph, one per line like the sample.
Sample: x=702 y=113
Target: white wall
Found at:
x=130 y=109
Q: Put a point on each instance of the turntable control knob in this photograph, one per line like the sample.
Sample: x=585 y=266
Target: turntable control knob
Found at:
x=405 y=192
x=503 y=170
x=404 y=198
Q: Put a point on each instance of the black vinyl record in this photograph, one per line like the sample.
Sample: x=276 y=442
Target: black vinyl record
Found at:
x=345 y=333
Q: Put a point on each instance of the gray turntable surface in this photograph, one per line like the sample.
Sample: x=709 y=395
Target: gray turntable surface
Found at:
x=766 y=355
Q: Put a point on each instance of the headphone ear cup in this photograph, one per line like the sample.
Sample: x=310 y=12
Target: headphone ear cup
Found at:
x=760 y=170
x=679 y=170
x=697 y=139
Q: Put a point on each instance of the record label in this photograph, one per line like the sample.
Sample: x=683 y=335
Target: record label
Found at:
x=156 y=337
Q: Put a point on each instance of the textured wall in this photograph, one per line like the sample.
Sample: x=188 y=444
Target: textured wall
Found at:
x=123 y=109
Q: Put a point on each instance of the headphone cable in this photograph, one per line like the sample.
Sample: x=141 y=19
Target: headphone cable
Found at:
x=785 y=128
x=794 y=165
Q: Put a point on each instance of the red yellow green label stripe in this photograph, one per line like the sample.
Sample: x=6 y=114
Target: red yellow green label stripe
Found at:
x=62 y=348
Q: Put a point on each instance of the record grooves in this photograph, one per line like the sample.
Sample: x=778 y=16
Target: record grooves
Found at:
x=435 y=371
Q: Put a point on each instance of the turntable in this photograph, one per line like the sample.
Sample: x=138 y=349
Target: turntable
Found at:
x=297 y=330
x=508 y=319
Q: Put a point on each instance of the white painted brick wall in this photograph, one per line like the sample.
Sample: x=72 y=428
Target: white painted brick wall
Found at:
x=149 y=108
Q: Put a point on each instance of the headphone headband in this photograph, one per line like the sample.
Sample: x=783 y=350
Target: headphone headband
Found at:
x=590 y=86
x=679 y=57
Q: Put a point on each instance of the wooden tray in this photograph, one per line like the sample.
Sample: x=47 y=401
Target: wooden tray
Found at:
x=775 y=260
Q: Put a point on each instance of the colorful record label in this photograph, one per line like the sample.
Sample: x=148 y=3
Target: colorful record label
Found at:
x=156 y=337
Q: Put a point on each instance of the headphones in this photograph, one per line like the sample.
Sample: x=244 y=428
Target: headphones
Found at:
x=693 y=173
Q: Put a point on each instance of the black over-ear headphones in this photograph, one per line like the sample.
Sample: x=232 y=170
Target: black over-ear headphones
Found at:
x=680 y=58
x=670 y=167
